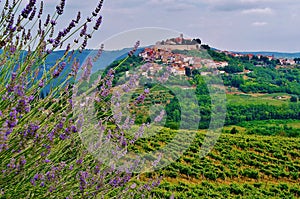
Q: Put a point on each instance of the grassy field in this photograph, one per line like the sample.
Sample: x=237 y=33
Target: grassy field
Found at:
x=246 y=125
x=271 y=99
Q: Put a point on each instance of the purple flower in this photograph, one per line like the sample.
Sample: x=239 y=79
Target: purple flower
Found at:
x=53 y=22
x=160 y=116
x=12 y=164
x=71 y=25
x=133 y=186
x=51 y=41
x=114 y=182
x=48 y=51
x=36 y=177
x=155 y=163
x=74 y=129
x=47 y=20
x=98 y=23
x=41 y=83
x=13 y=76
x=32 y=14
x=32 y=181
x=62 y=136
x=124 y=143
x=41 y=9
x=98 y=8
x=78 y=17
x=27 y=10
x=60 y=8
x=30 y=98
x=51 y=189
x=75 y=67
x=97 y=169
x=55 y=74
x=87 y=70
x=137 y=44
x=12 y=49
x=140 y=99
x=51 y=136
x=79 y=161
x=83 y=30
x=60 y=125
x=88 y=19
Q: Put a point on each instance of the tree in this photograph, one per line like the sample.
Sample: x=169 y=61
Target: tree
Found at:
x=188 y=71
x=234 y=68
x=205 y=47
x=234 y=131
x=294 y=98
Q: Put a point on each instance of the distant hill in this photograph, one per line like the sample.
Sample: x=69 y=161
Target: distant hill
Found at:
x=106 y=58
x=276 y=54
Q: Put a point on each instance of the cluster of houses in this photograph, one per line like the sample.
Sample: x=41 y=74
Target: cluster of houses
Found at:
x=281 y=61
x=179 y=62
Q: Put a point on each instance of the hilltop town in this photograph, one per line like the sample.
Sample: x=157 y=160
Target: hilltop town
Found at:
x=189 y=54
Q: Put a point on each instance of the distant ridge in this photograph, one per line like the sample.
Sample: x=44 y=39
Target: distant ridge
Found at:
x=276 y=54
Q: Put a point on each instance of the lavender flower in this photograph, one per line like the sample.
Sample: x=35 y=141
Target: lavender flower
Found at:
x=98 y=8
x=98 y=23
x=29 y=7
x=83 y=175
x=32 y=14
x=57 y=72
x=131 y=53
x=22 y=161
x=60 y=8
x=53 y=22
x=160 y=116
x=78 y=17
x=133 y=186
x=12 y=49
x=41 y=9
x=83 y=30
x=47 y=20
x=79 y=161
x=87 y=69
x=41 y=83
x=142 y=97
x=155 y=163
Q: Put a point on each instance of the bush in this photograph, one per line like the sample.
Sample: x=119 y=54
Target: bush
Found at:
x=294 y=98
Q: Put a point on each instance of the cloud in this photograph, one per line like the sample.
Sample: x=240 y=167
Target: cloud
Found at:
x=160 y=2
x=172 y=5
x=258 y=11
x=259 y=23
x=248 y=6
x=179 y=7
x=230 y=6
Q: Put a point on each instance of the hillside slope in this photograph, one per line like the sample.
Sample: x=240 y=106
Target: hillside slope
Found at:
x=247 y=166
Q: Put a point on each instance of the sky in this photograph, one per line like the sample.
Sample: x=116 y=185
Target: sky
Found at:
x=237 y=25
